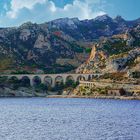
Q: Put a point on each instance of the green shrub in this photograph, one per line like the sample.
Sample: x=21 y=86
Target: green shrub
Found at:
x=88 y=50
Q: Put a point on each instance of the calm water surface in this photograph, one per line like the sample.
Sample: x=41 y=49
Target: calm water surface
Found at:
x=69 y=119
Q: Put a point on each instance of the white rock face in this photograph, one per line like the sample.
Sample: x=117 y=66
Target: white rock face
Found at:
x=121 y=63
x=24 y=35
x=71 y=22
x=94 y=61
x=102 y=18
x=42 y=42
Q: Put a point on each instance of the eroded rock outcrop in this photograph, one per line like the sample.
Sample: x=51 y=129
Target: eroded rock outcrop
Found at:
x=25 y=34
x=42 y=42
x=96 y=60
x=117 y=53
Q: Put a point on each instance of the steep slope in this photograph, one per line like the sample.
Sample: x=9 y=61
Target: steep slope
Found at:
x=32 y=46
x=117 y=53
x=59 y=45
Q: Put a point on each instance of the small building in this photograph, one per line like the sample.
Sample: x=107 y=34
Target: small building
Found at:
x=87 y=84
x=116 y=92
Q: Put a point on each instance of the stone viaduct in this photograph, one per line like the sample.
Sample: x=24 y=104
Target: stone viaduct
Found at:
x=52 y=79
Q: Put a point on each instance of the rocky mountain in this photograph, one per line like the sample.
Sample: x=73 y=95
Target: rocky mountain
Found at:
x=62 y=45
x=89 y=30
x=117 y=53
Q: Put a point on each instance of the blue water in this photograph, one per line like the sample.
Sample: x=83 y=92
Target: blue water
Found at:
x=69 y=119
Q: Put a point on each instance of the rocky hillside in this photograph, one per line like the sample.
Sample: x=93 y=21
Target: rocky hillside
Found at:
x=62 y=45
x=117 y=53
x=35 y=48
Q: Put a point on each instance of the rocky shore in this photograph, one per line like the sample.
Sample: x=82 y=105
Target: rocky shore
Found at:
x=21 y=92
x=28 y=92
x=96 y=97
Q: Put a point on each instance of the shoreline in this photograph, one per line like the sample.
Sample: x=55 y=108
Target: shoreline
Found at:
x=7 y=93
x=73 y=96
x=96 y=97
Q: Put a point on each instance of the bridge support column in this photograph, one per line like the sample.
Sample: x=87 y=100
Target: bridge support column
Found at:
x=53 y=83
x=42 y=80
x=64 y=80
x=31 y=82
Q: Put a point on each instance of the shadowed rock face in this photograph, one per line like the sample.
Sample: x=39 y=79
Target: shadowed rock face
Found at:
x=39 y=46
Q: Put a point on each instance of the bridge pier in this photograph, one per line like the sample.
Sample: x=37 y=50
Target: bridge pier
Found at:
x=53 y=83
x=53 y=77
x=42 y=79
x=31 y=83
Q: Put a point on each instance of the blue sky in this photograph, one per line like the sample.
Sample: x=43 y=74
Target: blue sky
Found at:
x=16 y=12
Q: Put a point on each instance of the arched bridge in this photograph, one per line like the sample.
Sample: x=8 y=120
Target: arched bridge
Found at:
x=52 y=79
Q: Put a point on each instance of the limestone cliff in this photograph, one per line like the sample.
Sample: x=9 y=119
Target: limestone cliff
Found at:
x=117 y=53
x=94 y=63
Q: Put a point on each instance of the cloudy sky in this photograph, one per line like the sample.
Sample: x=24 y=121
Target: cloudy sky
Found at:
x=16 y=12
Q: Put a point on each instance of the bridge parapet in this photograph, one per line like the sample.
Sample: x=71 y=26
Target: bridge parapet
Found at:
x=54 y=77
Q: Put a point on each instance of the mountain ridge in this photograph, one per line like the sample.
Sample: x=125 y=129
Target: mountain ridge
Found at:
x=57 y=46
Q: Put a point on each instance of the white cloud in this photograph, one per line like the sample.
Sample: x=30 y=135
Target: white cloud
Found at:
x=17 y=5
x=45 y=10
x=52 y=7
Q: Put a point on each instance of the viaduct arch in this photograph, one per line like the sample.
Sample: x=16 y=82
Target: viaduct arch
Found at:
x=52 y=79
